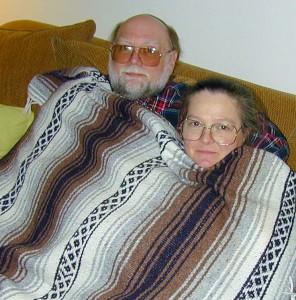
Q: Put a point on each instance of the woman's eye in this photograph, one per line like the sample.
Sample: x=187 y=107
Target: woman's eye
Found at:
x=224 y=127
x=195 y=124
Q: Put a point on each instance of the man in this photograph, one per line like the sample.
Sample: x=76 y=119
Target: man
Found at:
x=142 y=73
x=143 y=54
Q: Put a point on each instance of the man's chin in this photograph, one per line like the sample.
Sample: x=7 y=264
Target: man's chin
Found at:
x=135 y=94
x=134 y=81
x=138 y=85
x=137 y=88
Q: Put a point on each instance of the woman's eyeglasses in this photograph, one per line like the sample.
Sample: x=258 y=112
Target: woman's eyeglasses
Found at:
x=222 y=133
x=149 y=56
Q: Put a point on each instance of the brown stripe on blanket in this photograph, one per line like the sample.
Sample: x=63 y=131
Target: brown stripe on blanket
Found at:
x=169 y=250
x=98 y=138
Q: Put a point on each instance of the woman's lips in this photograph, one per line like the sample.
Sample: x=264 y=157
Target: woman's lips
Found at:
x=206 y=152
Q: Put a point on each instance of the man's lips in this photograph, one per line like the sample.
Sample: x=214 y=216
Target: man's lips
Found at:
x=134 y=75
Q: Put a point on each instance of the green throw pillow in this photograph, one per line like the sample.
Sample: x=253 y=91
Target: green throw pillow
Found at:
x=13 y=125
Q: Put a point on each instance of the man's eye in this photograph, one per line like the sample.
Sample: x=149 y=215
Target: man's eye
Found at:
x=126 y=48
x=151 y=50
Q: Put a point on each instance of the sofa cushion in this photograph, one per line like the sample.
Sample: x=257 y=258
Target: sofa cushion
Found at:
x=27 y=25
x=25 y=53
x=13 y=125
x=76 y=53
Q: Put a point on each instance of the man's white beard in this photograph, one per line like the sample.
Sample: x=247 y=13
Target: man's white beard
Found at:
x=141 y=90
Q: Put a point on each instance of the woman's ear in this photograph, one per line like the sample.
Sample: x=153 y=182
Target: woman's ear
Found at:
x=179 y=130
x=246 y=134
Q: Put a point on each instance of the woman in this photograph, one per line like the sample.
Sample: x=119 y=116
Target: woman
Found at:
x=218 y=116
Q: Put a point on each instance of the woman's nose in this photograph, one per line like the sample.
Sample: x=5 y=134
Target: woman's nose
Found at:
x=206 y=136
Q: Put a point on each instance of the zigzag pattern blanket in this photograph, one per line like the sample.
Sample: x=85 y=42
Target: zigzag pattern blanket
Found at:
x=99 y=201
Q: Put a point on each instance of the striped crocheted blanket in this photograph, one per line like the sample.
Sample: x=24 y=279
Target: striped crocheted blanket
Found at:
x=99 y=201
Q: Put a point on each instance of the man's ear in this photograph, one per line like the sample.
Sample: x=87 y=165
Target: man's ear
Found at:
x=175 y=55
x=173 y=59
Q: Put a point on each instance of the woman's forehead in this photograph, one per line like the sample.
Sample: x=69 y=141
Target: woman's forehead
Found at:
x=214 y=104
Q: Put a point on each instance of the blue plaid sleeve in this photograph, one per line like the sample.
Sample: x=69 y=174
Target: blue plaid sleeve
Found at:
x=173 y=94
x=270 y=139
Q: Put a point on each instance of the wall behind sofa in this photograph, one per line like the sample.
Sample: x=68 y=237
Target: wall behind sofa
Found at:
x=253 y=40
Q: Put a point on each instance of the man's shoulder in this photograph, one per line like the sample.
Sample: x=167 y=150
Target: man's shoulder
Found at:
x=176 y=85
x=168 y=100
x=173 y=90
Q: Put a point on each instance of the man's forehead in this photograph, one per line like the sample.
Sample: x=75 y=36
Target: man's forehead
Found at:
x=138 y=41
x=144 y=21
x=143 y=29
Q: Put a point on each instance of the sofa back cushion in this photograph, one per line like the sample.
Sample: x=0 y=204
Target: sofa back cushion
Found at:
x=26 y=53
x=76 y=53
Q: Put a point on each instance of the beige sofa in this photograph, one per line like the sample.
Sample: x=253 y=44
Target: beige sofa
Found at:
x=28 y=48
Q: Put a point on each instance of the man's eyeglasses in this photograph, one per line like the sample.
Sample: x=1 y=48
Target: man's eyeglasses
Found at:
x=222 y=133
x=149 y=56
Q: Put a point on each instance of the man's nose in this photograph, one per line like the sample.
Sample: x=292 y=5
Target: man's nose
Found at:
x=135 y=58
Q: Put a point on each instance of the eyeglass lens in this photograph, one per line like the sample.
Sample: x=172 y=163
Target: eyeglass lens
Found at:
x=222 y=133
x=149 y=56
